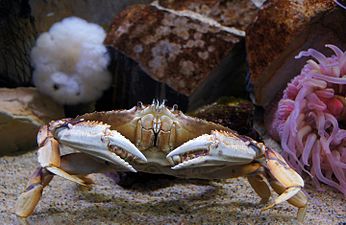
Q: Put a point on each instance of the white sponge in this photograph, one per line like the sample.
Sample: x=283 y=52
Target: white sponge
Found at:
x=70 y=62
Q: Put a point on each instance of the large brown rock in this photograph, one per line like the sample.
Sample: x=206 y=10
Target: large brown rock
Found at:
x=22 y=112
x=236 y=13
x=17 y=36
x=183 y=45
x=282 y=29
x=48 y=12
x=234 y=113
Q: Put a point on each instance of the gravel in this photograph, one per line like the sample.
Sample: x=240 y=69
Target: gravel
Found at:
x=176 y=202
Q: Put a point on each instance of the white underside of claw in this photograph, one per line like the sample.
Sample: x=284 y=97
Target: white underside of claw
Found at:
x=222 y=149
x=196 y=162
x=201 y=142
x=96 y=139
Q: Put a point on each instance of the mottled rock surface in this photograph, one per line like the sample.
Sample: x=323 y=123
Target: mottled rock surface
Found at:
x=234 y=113
x=178 y=202
x=282 y=29
x=22 y=112
x=193 y=47
x=173 y=49
x=236 y=13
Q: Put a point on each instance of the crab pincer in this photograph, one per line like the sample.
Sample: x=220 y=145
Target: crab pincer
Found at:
x=97 y=139
x=241 y=156
x=97 y=146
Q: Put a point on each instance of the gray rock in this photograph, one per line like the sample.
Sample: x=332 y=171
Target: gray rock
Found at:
x=22 y=112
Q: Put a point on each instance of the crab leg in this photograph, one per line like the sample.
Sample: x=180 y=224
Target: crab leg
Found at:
x=98 y=145
x=50 y=160
x=77 y=165
x=287 y=183
x=28 y=200
x=49 y=155
x=299 y=200
x=258 y=183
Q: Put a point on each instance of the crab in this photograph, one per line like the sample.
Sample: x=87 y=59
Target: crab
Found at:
x=157 y=139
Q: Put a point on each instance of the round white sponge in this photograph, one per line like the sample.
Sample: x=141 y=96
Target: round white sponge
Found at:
x=70 y=62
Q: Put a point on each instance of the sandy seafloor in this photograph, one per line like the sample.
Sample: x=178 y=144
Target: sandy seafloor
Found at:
x=178 y=202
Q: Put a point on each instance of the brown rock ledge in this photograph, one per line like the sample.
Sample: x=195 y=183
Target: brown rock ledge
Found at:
x=282 y=29
x=22 y=112
x=196 y=48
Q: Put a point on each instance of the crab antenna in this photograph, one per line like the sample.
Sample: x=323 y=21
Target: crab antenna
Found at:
x=163 y=103
x=157 y=105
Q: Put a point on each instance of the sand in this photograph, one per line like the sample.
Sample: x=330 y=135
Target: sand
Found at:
x=176 y=202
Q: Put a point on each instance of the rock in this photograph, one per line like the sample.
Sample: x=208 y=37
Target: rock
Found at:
x=183 y=49
x=48 y=12
x=236 y=13
x=17 y=36
x=22 y=112
x=282 y=29
x=234 y=113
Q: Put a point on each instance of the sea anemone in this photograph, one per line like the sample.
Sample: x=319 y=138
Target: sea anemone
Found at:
x=70 y=62
x=309 y=118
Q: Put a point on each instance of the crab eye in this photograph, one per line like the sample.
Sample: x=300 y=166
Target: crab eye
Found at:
x=174 y=108
x=140 y=105
x=56 y=87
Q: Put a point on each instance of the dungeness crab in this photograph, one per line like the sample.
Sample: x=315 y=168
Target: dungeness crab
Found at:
x=156 y=139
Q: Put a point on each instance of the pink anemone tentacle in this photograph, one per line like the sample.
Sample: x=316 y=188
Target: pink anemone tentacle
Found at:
x=309 y=118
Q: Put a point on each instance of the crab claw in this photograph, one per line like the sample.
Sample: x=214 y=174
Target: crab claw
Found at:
x=220 y=148
x=99 y=140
